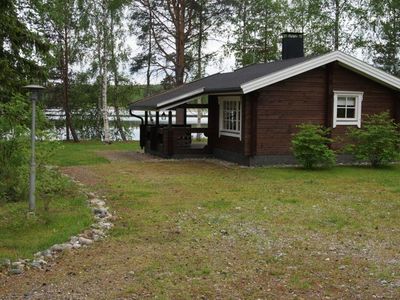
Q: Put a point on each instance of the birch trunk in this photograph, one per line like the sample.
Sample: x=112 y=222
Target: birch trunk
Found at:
x=104 y=82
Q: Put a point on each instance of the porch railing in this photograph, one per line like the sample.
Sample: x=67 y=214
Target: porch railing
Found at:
x=169 y=140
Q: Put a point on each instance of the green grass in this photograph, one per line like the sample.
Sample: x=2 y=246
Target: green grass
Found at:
x=198 y=229
x=84 y=153
x=241 y=230
x=22 y=236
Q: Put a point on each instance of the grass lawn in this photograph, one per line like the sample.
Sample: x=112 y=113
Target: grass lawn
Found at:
x=84 y=153
x=68 y=214
x=199 y=229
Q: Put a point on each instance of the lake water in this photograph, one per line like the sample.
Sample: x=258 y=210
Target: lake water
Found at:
x=131 y=123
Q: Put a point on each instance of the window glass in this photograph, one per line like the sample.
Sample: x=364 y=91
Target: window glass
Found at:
x=230 y=114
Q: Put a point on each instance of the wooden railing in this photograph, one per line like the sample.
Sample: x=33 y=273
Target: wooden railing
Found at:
x=168 y=140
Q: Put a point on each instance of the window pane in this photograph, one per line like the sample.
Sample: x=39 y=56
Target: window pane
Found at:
x=351 y=102
x=341 y=112
x=351 y=113
x=341 y=101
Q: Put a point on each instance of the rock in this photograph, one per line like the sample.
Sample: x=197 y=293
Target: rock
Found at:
x=61 y=247
x=98 y=232
x=5 y=263
x=36 y=264
x=17 y=265
x=74 y=239
x=46 y=253
x=105 y=225
x=15 y=271
x=100 y=212
x=85 y=241
x=342 y=267
x=224 y=232
x=57 y=248
x=97 y=202
x=76 y=245
x=131 y=273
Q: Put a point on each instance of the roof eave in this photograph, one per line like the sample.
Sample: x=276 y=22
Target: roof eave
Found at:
x=319 y=61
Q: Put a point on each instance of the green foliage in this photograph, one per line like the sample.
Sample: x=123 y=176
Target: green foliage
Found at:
x=310 y=146
x=15 y=121
x=20 y=47
x=258 y=26
x=378 y=141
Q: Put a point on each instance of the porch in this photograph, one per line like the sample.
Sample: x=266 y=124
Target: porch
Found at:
x=174 y=139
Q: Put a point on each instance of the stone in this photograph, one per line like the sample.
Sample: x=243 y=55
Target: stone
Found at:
x=76 y=245
x=46 y=253
x=61 y=247
x=98 y=232
x=36 y=264
x=5 y=263
x=97 y=202
x=57 y=248
x=85 y=241
x=74 y=239
x=100 y=212
x=15 y=271
x=342 y=267
x=105 y=225
x=17 y=265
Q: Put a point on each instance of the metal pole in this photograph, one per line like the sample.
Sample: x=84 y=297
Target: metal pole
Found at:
x=32 y=177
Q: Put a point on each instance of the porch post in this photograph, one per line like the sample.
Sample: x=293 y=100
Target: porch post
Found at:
x=170 y=135
x=184 y=116
x=157 y=118
x=170 y=119
x=146 y=118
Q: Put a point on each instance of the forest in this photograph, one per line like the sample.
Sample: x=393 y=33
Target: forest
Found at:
x=93 y=54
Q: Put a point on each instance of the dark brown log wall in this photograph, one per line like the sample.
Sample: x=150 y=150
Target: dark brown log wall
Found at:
x=309 y=98
x=286 y=104
x=377 y=98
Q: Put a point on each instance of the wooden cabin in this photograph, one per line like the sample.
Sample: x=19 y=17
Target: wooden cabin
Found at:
x=253 y=112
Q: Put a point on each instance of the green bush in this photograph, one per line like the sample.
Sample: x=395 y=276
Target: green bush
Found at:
x=310 y=147
x=15 y=122
x=377 y=142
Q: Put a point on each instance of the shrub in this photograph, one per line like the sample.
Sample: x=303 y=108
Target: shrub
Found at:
x=378 y=141
x=310 y=146
x=15 y=122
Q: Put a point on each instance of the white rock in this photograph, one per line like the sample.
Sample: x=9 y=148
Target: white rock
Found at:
x=76 y=245
x=85 y=241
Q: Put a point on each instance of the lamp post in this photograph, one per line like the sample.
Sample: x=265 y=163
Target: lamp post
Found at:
x=35 y=91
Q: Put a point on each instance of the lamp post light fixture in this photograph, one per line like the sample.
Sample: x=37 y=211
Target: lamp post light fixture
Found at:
x=35 y=91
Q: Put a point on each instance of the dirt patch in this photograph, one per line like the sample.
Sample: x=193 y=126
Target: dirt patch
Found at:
x=127 y=156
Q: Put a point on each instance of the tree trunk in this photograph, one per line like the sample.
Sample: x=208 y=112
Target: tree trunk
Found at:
x=180 y=42
x=149 y=54
x=106 y=126
x=337 y=20
x=104 y=82
x=116 y=84
x=65 y=69
x=199 y=67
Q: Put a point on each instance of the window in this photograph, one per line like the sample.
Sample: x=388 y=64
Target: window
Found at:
x=347 y=108
x=230 y=111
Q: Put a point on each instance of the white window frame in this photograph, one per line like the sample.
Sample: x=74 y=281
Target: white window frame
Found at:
x=356 y=121
x=230 y=132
